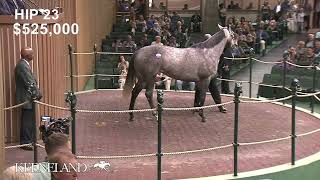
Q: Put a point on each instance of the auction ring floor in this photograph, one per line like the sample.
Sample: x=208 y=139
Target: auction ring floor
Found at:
x=100 y=134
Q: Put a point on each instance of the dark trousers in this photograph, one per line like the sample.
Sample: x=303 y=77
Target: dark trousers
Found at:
x=214 y=91
x=26 y=128
x=225 y=84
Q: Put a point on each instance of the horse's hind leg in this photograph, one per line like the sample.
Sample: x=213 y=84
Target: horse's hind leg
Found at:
x=149 y=95
x=202 y=88
x=135 y=92
x=196 y=98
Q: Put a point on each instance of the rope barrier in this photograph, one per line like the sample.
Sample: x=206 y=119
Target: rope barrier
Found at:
x=236 y=58
x=114 y=53
x=262 y=142
x=197 y=108
x=308 y=133
x=266 y=62
x=39 y=145
x=18 y=146
x=308 y=95
x=231 y=80
x=267 y=101
x=315 y=96
x=117 y=112
x=84 y=53
x=197 y=151
x=116 y=157
x=87 y=91
x=15 y=106
x=296 y=65
x=52 y=106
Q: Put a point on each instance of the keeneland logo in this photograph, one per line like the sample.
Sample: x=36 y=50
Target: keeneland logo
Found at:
x=53 y=167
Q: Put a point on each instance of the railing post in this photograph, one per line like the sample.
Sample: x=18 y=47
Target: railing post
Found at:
x=237 y=92
x=71 y=66
x=313 y=86
x=159 y=153
x=284 y=73
x=250 y=75
x=33 y=93
x=71 y=99
x=95 y=66
x=294 y=88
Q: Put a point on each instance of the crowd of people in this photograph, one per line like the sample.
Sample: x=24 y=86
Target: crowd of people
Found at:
x=306 y=52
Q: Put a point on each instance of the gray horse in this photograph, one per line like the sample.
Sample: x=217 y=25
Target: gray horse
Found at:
x=198 y=63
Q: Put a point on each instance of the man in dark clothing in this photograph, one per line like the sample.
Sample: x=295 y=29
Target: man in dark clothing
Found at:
x=24 y=79
x=224 y=69
x=214 y=90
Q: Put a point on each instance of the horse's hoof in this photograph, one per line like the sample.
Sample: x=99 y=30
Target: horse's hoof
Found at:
x=222 y=109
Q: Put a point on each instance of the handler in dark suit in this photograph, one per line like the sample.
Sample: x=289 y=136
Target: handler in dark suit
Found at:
x=214 y=90
x=224 y=69
x=24 y=78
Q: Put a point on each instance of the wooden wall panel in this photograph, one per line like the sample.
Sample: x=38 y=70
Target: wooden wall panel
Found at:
x=51 y=60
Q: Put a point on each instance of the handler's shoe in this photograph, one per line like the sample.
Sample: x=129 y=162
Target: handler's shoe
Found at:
x=222 y=109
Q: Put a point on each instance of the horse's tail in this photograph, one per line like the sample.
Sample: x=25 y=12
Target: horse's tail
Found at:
x=130 y=80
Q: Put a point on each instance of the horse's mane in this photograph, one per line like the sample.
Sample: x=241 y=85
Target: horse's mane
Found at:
x=211 y=42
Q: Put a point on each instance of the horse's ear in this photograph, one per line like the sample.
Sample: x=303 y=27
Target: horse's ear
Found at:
x=220 y=27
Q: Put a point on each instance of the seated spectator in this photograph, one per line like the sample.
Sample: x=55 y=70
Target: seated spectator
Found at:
x=292 y=56
x=237 y=6
x=162 y=79
x=63 y=159
x=179 y=84
x=144 y=41
x=317 y=48
x=231 y=5
x=185 y=7
x=116 y=44
x=157 y=41
x=157 y=29
x=150 y=22
x=173 y=42
x=250 y=40
x=133 y=27
x=262 y=38
x=123 y=67
x=243 y=44
x=129 y=43
x=300 y=49
x=124 y=6
x=273 y=29
x=308 y=58
x=166 y=34
x=196 y=22
x=310 y=41
x=140 y=20
x=162 y=6
x=250 y=6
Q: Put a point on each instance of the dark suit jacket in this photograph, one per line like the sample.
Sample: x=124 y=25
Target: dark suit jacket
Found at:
x=24 y=77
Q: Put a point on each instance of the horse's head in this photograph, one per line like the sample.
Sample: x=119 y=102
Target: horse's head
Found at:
x=229 y=34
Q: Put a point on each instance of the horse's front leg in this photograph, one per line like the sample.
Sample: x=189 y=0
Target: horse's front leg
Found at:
x=202 y=87
x=149 y=96
x=135 y=92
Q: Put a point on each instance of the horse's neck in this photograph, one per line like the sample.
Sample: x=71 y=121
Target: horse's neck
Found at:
x=215 y=51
